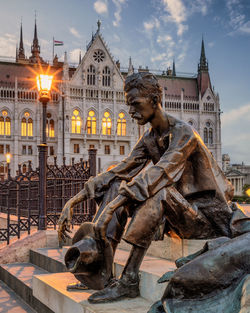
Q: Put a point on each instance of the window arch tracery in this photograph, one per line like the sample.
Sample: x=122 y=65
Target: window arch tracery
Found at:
x=91 y=123
x=5 y=123
x=76 y=122
x=106 y=124
x=106 y=77
x=26 y=125
x=121 y=124
x=50 y=126
x=91 y=74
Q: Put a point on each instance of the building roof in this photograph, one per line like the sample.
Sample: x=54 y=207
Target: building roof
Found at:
x=25 y=73
x=174 y=85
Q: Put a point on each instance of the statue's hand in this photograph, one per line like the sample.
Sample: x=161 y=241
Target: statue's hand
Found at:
x=64 y=222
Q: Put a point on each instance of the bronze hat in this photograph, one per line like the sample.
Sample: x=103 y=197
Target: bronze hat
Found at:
x=90 y=259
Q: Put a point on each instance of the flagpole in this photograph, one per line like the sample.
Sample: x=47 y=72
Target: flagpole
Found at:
x=53 y=51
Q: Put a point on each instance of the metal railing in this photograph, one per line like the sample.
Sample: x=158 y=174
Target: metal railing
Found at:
x=19 y=196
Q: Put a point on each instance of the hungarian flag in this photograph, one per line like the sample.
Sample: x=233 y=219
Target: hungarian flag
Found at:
x=58 y=43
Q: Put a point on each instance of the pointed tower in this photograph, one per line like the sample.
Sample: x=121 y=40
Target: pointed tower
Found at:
x=203 y=73
x=203 y=66
x=35 y=48
x=80 y=57
x=174 y=72
x=21 y=54
x=130 y=67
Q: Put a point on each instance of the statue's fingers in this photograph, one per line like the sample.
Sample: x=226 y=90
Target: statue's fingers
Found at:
x=67 y=228
x=67 y=236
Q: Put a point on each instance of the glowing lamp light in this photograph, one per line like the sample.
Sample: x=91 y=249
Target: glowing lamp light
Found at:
x=78 y=123
x=8 y=156
x=248 y=192
x=44 y=83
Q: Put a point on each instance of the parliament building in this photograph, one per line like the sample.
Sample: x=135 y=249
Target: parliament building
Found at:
x=87 y=107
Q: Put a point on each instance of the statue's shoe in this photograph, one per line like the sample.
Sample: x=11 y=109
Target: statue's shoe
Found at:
x=119 y=289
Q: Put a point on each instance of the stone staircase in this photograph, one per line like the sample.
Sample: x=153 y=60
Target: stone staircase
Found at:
x=39 y=285
x=42 y=282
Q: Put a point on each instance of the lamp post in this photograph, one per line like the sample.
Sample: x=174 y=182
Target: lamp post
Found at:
x=8 y=156
x=44 y=83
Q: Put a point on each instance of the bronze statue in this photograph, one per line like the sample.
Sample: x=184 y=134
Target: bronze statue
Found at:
x=184 y=191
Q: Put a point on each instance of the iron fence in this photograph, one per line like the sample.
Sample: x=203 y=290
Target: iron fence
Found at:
x=19 y=196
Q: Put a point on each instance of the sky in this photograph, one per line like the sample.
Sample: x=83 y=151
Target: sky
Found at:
x=153 y=33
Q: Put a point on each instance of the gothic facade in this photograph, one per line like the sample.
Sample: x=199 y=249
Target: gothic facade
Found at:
x=88 y=110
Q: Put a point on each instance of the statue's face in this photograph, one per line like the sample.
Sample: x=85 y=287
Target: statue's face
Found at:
x=140 y=107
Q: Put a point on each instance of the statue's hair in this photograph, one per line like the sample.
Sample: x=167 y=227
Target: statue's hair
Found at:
x=145 y=82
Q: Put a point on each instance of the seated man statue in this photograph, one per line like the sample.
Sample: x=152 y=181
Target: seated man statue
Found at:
x=184 y=189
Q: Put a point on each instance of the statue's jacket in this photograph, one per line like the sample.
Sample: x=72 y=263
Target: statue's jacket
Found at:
x=183 y=160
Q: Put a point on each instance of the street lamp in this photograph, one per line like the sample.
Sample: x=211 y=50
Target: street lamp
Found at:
x=8 y=156
x=44 y=83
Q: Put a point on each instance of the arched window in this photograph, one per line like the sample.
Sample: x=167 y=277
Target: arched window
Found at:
x=23 y=127
x=91 y=123
x=50 y=126
x=210 y=136
x=106 y=76
x=76 y=122
x=27 y=125
x=106 y=124
x=205 y=135
x=121 y=125
x=91 y=75
x=5 y=123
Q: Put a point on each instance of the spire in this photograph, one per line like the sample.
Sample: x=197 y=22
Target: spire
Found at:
x=130 y=67
x=98 y=26
x=16 y=53
x=173 y=72
x=203 y=66
x=80 y=57
x=35 y=48
x=21 y=54
x=203 y=78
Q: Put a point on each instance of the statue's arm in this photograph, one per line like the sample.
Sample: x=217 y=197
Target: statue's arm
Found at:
x=67 y=212
x=167 y=171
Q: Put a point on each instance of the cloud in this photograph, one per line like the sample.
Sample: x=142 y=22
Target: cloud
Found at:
x=118 y=4
x=211 y=44
x=236 y=134
x=101 y=7
x=200 y=6
x=237 y=18
x=116 y=38
x=74 y=55
x=236 y=115
x=159 y=57
x=176 y=13
x=245 y=28
x=74 y=32
x=153 y=23
x=8 y=45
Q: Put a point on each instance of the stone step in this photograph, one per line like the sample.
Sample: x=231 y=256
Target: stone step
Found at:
x=49 y=259
x=151 y=270
x=11 y=302
x=51 y=290
x=18 y=277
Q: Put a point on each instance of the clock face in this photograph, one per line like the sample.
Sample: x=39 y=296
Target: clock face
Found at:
x=98 y=56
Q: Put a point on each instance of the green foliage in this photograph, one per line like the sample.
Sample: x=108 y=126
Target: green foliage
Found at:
x=241 y=199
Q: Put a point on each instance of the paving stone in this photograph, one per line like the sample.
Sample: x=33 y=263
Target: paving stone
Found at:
x=11 y=302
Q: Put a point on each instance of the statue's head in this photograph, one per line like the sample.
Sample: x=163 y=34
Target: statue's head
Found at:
x=143 y=95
